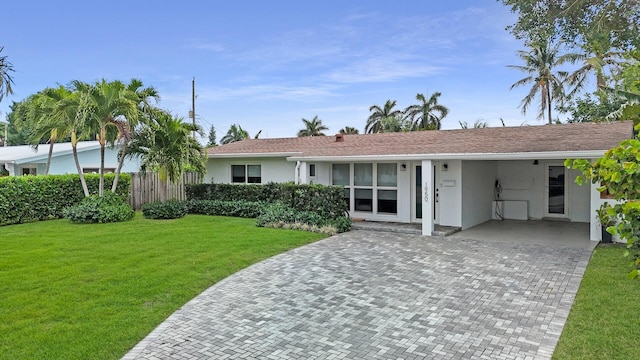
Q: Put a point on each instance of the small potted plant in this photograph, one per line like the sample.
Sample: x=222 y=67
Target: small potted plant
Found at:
x=606 y=219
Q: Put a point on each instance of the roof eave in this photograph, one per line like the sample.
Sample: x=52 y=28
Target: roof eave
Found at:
x=253 y=155
x=581 y=154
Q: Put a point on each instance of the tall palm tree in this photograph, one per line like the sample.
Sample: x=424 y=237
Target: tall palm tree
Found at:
x=144 y=95
x=107 y=107
x=312 y=127
x=427 y=114
x=235 y=133
x=349 y=130
x=5 y=79
x=166 y=144
x=540 y=63
x=378 y=114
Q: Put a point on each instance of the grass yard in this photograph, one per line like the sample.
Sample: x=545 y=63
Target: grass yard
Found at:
x=93 y=291
x=604 y=322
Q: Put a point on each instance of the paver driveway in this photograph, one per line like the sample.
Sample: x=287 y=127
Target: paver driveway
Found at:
x=372 y=295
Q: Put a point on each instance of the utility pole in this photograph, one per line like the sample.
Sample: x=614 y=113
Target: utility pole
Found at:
x=193 y=104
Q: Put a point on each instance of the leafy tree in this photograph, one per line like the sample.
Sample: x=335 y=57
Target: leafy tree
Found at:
x=5 y=78
x=165 y=145
x=313 y=127
x=427 y=114
x=235 y=133
x=478 y=124
x=540 y=63
x=378 y=114
x=349 y=130
x=573 y=21
x=592 y=107
x=212 y=136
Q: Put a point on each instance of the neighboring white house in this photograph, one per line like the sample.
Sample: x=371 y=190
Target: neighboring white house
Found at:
x=25 y=160
x=458 y=178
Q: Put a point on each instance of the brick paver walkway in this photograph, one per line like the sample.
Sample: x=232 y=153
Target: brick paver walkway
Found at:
x=372 y=295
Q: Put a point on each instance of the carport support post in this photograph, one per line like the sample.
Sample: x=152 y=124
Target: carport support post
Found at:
x=427 y=197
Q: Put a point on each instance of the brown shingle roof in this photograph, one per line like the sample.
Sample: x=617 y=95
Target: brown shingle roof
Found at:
x=522 y=139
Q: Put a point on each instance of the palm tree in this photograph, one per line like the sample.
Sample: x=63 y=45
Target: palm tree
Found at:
x=107 y=107
x=35 y=114
x=395 y=124
x=428 y=114
x=5 y=79
x=165 y=144
x=124 y=135
x=235 y=133
x=349 y=130
x=378 y=114
x=313 y=127
x=478 y=124
x=540 y=63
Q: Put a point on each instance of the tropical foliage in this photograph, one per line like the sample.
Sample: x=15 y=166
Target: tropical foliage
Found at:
x=349 y=130
x=6 y=81
x=313 y=127
x=547 y=83
x=378 y=114
x=428 y=113
x=235 y=133
x=166 y=145
x=478 y=124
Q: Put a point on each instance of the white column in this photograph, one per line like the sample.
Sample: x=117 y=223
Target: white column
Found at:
x=427 y=197
x=303 y=173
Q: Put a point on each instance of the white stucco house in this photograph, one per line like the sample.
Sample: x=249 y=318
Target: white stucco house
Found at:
x=24 y=160
x=458 y=178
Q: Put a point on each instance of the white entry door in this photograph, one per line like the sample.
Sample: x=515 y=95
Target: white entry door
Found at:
x=556 y=199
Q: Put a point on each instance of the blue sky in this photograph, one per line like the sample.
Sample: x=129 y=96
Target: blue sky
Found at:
x=267 y=64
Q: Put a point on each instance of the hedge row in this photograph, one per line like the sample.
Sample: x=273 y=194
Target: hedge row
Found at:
x=34 y=198
x=326 y=201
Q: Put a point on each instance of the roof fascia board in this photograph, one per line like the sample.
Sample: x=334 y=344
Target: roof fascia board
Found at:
x=253 y=155
x=585 y=154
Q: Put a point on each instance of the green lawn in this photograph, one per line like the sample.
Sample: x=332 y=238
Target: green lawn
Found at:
x=604 y=322
x=93 y=291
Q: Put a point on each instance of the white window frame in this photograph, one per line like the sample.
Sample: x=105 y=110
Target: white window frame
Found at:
x=246 y=173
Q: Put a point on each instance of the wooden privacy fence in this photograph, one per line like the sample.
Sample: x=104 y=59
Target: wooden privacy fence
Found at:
x=146 y=187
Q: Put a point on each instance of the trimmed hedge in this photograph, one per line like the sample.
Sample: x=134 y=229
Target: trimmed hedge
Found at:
x=326 y=201
x=34 y=198
x=239 y=208
x=281 y=216
x=171 y=209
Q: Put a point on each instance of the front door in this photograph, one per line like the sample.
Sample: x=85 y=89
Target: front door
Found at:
x=556 y=191
x=416 y=193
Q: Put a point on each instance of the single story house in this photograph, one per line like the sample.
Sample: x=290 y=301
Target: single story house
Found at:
x=25 y=160
x=458 y=178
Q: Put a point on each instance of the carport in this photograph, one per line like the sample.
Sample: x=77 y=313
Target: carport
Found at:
x=543 y=232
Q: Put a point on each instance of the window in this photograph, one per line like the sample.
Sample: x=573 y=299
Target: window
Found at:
x=312 y=170
x=373 y=188
x=29 y=171
x=97 y=170
x=246 y=174
x=341 y=175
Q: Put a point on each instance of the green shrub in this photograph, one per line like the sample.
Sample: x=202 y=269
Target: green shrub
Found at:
x=34 y=198
x=100 y=209
x=239 y=208
x=171 y=209
x=278 y=214
x=323 y=200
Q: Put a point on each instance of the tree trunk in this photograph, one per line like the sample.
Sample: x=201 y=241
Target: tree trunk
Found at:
x=119 y=168
x=46 y=169
x=549 y=104
x=74 y=142
x=102 y=145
